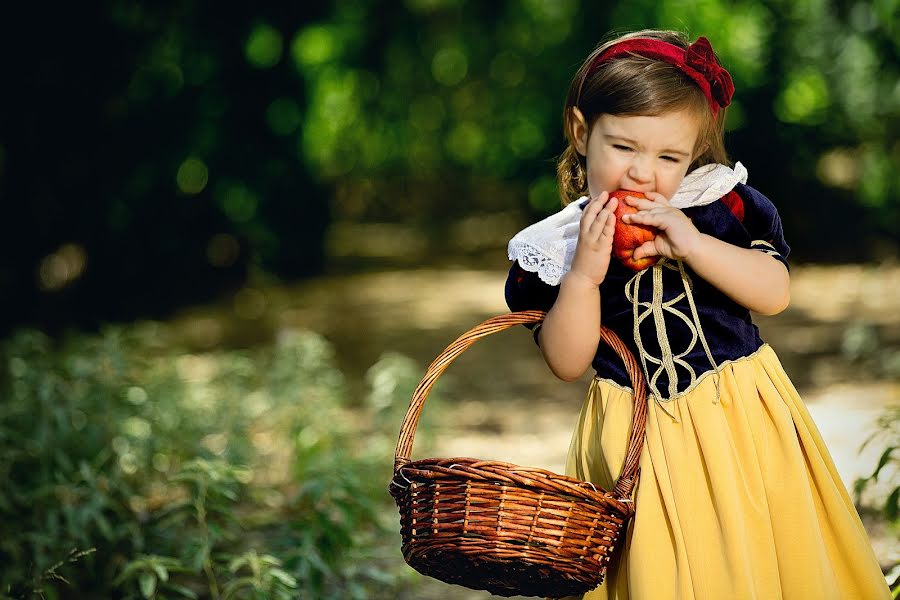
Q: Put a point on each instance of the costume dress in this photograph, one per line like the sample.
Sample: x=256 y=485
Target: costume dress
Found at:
x=738 y=496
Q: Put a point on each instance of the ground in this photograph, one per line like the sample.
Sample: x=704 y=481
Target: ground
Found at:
x=839 y=342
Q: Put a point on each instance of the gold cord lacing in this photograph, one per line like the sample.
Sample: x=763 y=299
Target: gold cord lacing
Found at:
x=657 y=308
x=765 y=247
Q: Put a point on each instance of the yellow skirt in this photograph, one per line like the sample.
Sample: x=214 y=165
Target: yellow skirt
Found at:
x=737 y=499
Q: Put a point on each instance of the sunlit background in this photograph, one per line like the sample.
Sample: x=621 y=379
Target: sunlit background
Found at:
x=153 y=156
x=228 y=228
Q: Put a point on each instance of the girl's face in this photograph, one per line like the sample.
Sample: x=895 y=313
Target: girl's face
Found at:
x=637 y=153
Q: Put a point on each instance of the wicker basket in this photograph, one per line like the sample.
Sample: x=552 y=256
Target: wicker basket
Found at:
x=500 y=527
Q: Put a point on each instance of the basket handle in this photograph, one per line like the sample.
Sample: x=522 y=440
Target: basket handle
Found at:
x=627 y=478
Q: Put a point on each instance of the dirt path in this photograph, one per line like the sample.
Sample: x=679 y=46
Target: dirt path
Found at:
x=839 y=341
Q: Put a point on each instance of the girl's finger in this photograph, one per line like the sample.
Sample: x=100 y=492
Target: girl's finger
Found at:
x=651 y=217
x=609 y=228
x=600 y=201
x=607 y=213
x=644 y=250
x=658 y=198
x=593 y=208
x=594 y=213
x=609 y=206
x=597 y=227
x=643 y=203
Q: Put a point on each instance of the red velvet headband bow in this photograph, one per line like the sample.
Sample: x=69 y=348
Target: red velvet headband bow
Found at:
x=697 y=62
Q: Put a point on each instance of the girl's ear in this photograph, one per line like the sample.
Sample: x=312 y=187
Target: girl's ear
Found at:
x=579 y=131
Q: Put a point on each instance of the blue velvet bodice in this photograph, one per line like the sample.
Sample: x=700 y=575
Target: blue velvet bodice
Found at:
x=668 y=326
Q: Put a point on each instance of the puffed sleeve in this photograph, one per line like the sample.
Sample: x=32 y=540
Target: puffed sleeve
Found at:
x=526 y=291
x=763 y=224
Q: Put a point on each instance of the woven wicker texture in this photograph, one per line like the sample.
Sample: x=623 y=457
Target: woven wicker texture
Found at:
x=503 y=528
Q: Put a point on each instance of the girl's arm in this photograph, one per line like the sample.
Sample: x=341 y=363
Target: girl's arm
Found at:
x=571 y=331
x=751 y=278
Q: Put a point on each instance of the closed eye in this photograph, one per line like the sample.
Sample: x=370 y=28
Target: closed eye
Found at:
x=670 y=159
x=621 y=147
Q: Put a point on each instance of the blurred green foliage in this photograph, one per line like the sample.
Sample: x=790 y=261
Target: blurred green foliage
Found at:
x=138 y=171
x=883 y=483
x=174 y=475
x=449 y=90
x=152 y=156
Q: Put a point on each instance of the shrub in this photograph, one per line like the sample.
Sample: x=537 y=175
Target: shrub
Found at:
x=231 y=474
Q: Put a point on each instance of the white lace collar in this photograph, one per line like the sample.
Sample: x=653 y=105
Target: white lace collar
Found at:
x=547 y=247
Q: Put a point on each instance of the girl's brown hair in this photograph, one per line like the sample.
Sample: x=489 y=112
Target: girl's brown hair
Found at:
x=632 y=86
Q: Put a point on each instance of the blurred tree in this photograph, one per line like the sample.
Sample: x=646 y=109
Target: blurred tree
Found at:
x=142 y=164
x=446 y=107
x=149 y=156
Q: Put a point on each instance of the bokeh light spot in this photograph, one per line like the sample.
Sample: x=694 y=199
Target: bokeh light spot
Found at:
x=136 y=395
x=264 y=45
x=508 y=69
x=465 y=142
x=314 y=45
x=525 y=138
x=128 y=463
x=543 y=194
x=839 y=168
x=804 y=99
x=137 y=427
x=120 y=445
x=161 y=462
x=17 y=367
x=192 y=176
x=238 y=201
x=215 y=442
x=449 y=66
x=62 y=267
x=222 y=250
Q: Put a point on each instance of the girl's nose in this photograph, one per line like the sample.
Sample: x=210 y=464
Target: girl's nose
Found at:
x=640 y=171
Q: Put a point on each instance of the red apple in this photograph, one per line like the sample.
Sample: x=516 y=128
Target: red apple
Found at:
x=629 y=236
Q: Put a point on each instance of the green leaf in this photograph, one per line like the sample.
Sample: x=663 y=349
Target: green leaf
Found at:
x=885 y=457
x=859 y=486
x=129 y=569
x=284 y=577
x=187 y=593
x=357 y=591
x=147 y=584
x=313 y=557
x=160 y=570
x=236 y=563
x=236 y=584
x=103 y=524
x=892 y=505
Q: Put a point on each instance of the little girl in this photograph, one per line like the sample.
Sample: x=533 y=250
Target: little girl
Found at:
x=738 y=496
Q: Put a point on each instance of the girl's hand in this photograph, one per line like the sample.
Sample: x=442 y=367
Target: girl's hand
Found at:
x=595 y=236
x=677 y=237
